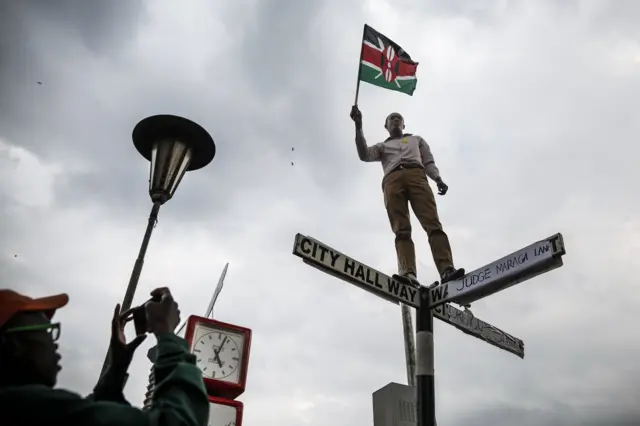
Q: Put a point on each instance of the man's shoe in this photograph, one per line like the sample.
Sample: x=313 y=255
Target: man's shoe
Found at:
x=413 y=279
x=452 y=274
x=407 y=278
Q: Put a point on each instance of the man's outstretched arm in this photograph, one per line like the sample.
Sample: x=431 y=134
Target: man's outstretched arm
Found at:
x=366 y=153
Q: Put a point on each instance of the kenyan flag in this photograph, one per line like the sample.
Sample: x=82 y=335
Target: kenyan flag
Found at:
x=383 y=63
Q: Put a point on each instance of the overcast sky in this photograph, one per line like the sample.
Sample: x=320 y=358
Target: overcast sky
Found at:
x=529 y=109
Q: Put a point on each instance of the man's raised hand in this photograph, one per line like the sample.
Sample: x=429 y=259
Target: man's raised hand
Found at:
x=356 y=116
x=162 y=316
x=121 y=351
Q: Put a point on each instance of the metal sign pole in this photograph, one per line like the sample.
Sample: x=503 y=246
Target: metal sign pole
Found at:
x=409 y=344
x=426 y=407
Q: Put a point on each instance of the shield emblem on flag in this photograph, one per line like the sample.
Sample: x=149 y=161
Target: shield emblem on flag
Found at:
x=385 y=64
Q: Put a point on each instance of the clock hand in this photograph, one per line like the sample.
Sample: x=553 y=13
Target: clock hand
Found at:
x=217 y=352
x=216 y=357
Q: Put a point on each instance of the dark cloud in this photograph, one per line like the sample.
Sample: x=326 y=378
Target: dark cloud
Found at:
x=275 y=45
x=102 y=27
x=254 y=141
x=30 y=34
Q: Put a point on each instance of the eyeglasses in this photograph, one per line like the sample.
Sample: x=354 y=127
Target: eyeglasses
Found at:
x=53 y=329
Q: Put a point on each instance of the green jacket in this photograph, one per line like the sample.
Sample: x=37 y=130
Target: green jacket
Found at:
x=180 y=398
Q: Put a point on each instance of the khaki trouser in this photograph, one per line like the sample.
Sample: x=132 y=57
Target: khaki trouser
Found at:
x=410 y=185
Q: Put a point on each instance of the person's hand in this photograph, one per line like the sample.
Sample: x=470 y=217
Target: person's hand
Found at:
x=356 y=116
x=121 y=351
x=162 y=316
x=442 y=187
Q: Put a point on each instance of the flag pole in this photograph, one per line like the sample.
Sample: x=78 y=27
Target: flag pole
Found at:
x=364 y=29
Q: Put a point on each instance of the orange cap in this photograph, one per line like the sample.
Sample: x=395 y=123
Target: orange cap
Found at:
x=11 y=303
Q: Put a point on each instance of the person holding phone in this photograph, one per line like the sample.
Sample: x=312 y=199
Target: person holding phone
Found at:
x=29 y=365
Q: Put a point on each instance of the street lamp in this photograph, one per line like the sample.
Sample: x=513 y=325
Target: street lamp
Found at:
x=173 y=145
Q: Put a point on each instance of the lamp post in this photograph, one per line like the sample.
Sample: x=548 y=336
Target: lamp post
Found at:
x=173 y=145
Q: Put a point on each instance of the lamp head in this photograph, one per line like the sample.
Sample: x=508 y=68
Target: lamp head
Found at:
x=173 y=145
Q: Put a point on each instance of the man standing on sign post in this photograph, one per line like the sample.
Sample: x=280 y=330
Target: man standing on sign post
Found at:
x=406 y=159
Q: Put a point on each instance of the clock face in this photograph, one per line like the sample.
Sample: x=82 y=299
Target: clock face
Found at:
x=221 y=415
x=218 y=353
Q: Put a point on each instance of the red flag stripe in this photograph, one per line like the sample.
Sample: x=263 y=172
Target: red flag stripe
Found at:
x=405 y=69
x=371 y=55
x=374 y=57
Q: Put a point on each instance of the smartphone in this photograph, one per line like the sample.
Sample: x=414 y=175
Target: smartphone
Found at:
x=139 y=316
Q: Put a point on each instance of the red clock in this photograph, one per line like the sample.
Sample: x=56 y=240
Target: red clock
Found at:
x=222 y=354
x=224 y=412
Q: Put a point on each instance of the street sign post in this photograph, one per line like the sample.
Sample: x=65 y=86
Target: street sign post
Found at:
x=535 y=259
x=333 y=262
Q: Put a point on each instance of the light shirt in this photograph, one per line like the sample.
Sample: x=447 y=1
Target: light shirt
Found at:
x=410 y=150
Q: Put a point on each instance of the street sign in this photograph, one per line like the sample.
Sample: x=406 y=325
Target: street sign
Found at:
x=332 y=262
x=468 y=324
x=540 y=257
